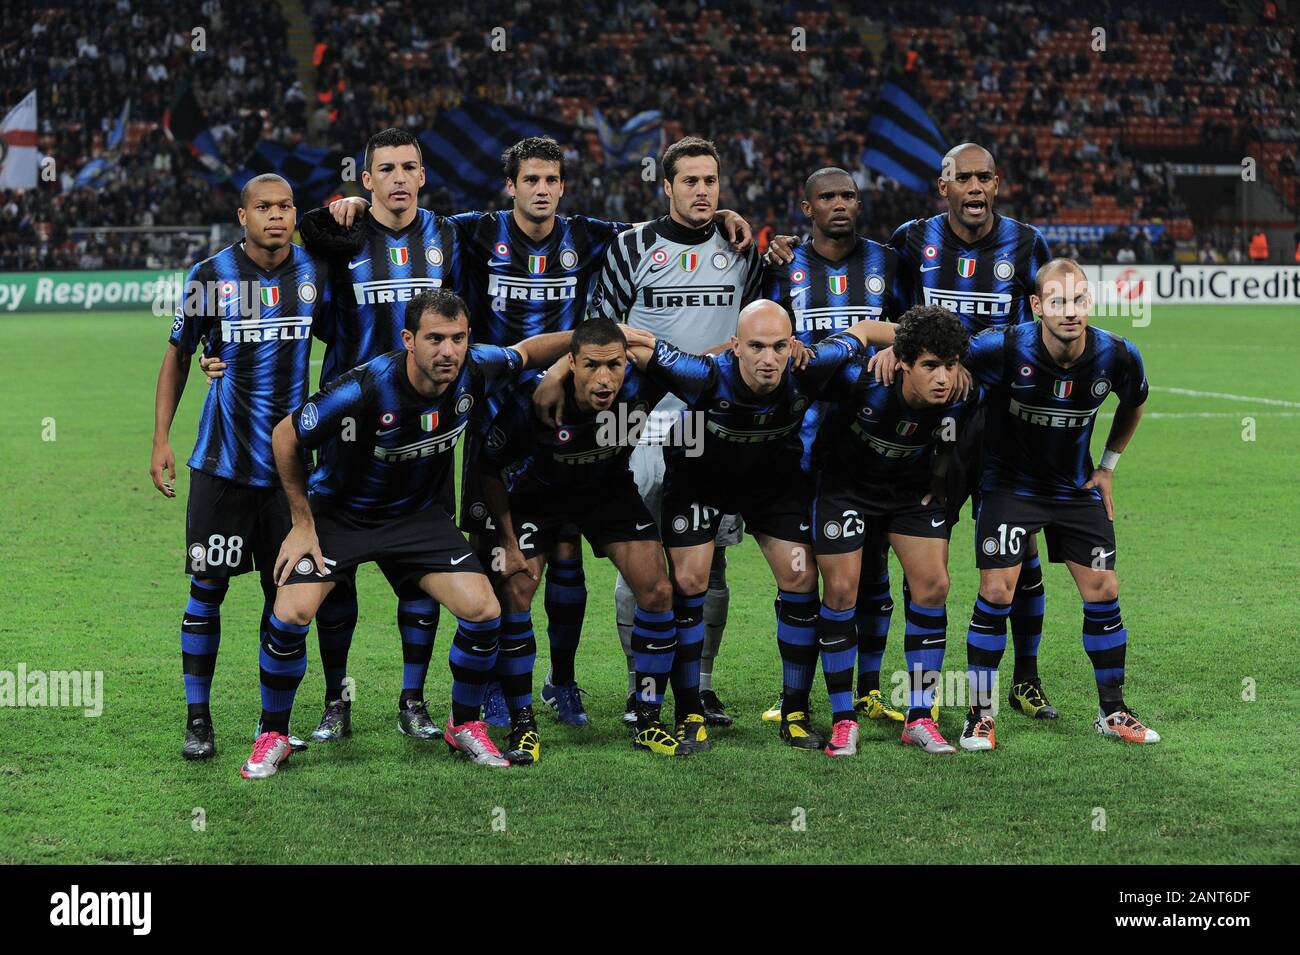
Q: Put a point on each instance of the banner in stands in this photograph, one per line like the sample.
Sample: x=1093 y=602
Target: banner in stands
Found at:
x=86 y=291
x=1078 y=232
x=1205 y=284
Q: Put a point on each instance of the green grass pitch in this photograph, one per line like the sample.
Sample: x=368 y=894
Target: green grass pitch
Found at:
x=90 y=579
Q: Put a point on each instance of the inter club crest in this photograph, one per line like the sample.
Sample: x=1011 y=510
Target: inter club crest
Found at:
x=399 y=255
x=1062 y=388
x=270 y=295
x=838 y=284
x=966 y=267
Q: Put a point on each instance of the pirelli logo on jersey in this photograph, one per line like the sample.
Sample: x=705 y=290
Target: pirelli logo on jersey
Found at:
x=689 y=296
x=285 y=328
x=985 y=304
x=887 y=449
x=426 y=448
x=750 y=436
x=520 y=289
x=833 y=318
x=1052 y=417
x=389 y=291
x=590 y=456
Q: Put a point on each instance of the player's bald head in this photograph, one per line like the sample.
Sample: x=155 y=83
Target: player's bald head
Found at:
x=763 y=319
x=826 y=176
x=262 y=184
x=1065 y=271
x=968 y=157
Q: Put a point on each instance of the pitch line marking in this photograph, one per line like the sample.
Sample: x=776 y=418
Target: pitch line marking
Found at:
x=1226 y=397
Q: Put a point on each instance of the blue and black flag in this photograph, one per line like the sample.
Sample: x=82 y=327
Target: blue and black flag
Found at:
x=312 y=172
x=462 y=152
x=184 y=122
x=903 y=141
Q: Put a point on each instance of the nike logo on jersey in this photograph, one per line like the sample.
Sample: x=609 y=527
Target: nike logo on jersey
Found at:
x=803 y=527
x=380 y=434
x=938 y=523
x=459 y=559
x=357 y=265
x=930 y=268
x=642 y=527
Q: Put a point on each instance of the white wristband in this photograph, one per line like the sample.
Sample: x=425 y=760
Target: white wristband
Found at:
x=1109 y=459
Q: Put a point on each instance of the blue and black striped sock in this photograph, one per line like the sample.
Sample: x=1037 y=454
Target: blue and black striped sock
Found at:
x=200 y=640
x=838 y=644
x=871 y=619
x=688 y=613
x=472 y=658
x=516 y=659
x=283 y=664
x=796 y=639
x=1027 y=607
x=565 y=601
x=924 y=642
x=986 y=641
x=336 y=621
x=1105 y=640
x=417 y=621
x=654 y=644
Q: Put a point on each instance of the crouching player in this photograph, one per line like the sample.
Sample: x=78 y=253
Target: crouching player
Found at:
x=1047 y=380
x=882 y=451
x=387 y=432
x=539 y=479
x=736 y=450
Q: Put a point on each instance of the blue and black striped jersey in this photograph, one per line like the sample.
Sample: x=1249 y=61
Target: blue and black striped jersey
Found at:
x=517 y=288
x=825 y=297
x=386 y=450
x=260 y=324
x=373 y=286
x=874 y=437
x=1040 y=415
x=748 y=439
x=584 y=453
x=985 y=284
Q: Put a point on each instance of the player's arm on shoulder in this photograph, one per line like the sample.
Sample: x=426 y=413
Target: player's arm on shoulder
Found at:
x=984 y=356
x=686 y=375
x=780 y=250
x=348 y=210
x=543 y=350
x=816 y=365
x=736 y=229
x=872 y=333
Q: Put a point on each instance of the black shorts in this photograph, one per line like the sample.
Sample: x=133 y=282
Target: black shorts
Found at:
x=691 y=513
x=231 y=528
x=610 y=514
x=1077 y=531
x=474 y=517
x=405 y=548
x=846 y=516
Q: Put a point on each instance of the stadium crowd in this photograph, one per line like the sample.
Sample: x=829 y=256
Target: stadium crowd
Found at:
x=1076 y=142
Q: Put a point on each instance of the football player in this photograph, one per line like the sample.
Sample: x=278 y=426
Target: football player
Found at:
x=1047 y=380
